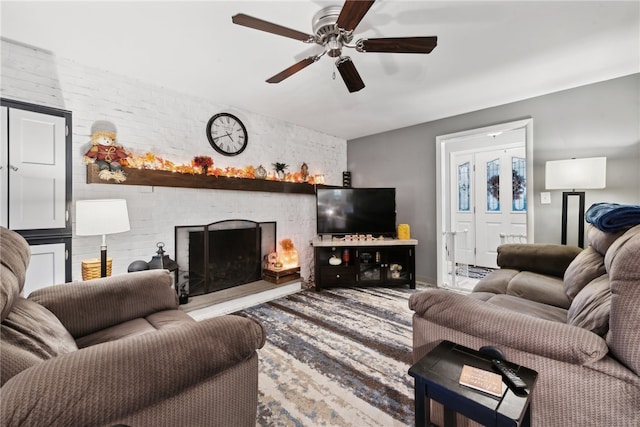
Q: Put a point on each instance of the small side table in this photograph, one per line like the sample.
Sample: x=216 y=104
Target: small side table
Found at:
x=436 y=377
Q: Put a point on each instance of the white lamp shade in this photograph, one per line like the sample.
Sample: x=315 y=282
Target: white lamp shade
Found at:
x=590 y=173
x=99 y=217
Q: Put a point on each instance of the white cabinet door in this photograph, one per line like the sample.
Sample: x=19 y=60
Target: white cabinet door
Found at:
x=37 y=170
x=46 y=267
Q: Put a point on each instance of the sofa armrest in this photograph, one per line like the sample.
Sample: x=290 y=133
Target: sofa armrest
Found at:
x=107 y=382
x=549 y=339
x=86 y=307
x=547 y=259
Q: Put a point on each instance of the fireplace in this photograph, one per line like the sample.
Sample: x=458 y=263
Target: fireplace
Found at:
x=222 y=255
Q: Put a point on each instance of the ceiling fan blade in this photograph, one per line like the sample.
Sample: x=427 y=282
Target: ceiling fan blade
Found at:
x=269 y=27
x=349 y=74
x=398 y=45
x=352 y=13
x=293 y=69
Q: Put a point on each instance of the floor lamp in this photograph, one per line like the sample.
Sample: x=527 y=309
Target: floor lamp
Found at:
x=101 y=217
x=575 y=174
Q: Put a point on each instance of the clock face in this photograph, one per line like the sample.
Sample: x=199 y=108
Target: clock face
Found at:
x=226 y=134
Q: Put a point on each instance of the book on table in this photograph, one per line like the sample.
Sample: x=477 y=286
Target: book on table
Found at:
x=479 y=379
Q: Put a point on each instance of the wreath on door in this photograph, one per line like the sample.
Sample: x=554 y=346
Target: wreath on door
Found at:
x=517 y=185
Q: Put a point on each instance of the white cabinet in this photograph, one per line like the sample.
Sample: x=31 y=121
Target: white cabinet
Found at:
x=35 y=187
x=33 y=166
x=46 y=267
x=37 y=171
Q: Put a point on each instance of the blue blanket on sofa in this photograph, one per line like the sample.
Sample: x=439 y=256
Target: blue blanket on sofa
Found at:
x=611 y=217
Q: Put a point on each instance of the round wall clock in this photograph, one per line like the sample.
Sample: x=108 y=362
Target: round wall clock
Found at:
x=226 y=134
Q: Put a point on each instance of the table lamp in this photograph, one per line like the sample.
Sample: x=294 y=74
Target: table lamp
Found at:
x=573 y=174
x=101 y=217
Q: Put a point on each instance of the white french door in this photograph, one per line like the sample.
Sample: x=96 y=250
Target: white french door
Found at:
x=501 y=197
x=471 y=227
x=463 y=222
x=488 y=197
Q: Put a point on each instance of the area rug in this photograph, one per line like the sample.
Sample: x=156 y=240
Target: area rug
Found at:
x=472 y=271
x=336 y=358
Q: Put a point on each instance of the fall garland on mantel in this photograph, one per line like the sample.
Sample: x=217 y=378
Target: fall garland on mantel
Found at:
x=204 y=165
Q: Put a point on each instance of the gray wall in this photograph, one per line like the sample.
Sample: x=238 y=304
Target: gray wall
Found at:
x=601 y=119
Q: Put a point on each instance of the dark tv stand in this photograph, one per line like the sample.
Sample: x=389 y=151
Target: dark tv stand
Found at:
x=389 y=262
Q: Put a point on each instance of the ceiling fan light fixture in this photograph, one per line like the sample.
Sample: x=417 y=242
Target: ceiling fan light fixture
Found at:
x=349 y=74
x=333 y=46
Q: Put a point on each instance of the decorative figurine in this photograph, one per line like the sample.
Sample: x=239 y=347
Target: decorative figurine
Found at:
x=104 y=151
x=304 y=172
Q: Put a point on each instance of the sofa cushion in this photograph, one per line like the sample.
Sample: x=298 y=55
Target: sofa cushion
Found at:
x=169 y=319
x=482 y=296
x=540 y=288
x=131 y=328
x=530 y=308
x=161 y=320
x=539 y=258
x=599 y=240
x=31 y=334
x=588 y=265
x=496 y=282
x=590 y=308
x=621 y=261
x=128 y=296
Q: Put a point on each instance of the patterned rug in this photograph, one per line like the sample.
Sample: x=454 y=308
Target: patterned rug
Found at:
x=336 y=358
x=472 y=271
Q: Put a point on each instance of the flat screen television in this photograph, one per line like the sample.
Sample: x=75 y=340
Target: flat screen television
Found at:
x=356 y=211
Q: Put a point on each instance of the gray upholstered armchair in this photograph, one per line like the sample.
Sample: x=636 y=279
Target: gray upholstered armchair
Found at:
x=118 y=350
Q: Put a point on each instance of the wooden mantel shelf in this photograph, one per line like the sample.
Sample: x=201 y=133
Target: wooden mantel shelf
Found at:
x=159 y=178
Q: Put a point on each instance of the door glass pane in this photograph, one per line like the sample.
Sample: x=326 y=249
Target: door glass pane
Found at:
x=519 y=184
x=493 y=186
x=464 y=176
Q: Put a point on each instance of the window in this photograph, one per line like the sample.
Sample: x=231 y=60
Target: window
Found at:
x=464 y=178
x=493 y=186
x=518 y=184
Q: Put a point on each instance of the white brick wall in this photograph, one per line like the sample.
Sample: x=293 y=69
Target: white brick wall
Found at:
x=171 y=125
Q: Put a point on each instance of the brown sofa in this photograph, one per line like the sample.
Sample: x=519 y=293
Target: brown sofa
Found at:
x=571 y=315
x=119 y=351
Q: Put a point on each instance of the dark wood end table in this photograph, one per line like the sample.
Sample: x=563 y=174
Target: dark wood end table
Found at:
x=436 y=377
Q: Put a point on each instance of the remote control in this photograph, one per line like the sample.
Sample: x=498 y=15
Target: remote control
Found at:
x=508 y=374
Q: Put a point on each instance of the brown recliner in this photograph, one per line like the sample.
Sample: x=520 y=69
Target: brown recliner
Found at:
x=573 y=316
x=119 y=351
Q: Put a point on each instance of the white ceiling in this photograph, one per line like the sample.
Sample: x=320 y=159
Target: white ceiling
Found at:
x=488 y=53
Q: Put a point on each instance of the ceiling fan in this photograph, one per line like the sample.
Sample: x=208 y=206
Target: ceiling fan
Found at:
x=333 y=29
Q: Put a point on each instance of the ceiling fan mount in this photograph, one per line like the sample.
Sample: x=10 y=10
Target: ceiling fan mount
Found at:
x=327 y=33
x=333 y=28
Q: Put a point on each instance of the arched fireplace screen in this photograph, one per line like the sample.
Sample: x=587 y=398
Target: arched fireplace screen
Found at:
x=222 y=254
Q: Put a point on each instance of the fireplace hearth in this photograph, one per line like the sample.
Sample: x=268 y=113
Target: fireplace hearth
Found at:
x=222 y=254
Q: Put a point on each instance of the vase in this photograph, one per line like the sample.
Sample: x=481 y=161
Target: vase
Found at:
x=280 y=174
x=345 y=256
x=261 y=172
x=205 y=169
